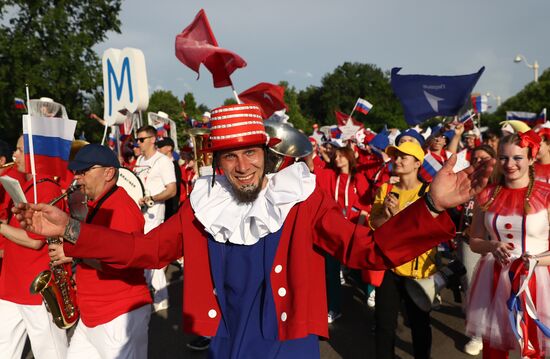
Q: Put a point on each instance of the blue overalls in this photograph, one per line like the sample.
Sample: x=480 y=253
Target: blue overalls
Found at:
x=248 y=327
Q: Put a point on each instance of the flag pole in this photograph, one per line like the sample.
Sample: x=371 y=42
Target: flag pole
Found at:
x=353 y=110
x=234 y=92
x=31 y=146
x=104 y=134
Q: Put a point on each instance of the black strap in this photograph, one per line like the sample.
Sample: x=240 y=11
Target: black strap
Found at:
x=99 y=203
x=423 y=189
x=42 y=180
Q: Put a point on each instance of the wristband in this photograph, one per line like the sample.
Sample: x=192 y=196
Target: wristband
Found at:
x=430 y=203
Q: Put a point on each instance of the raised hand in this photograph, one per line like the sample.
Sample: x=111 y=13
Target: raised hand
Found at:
x=43 y=219
x=450 y=189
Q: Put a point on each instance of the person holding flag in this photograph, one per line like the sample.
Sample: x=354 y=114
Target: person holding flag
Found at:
x=7 y=168
x=25 y=255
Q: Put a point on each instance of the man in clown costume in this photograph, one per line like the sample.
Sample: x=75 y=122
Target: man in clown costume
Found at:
x=253 y=242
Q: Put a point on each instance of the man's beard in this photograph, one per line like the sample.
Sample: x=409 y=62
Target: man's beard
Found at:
x=248 y=193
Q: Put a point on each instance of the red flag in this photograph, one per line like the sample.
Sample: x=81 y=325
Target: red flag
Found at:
x=268 y=97
x=197 y=45
x=342 y=119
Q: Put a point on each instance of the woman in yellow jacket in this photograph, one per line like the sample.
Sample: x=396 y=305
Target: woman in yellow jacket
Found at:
x=390 y=199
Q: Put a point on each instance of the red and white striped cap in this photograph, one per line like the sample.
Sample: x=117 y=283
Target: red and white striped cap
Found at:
x=237 y=126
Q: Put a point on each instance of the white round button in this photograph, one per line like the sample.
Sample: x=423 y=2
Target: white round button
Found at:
x=282 y=292
x=278 y=268
x=283 y=316
x=212 y=313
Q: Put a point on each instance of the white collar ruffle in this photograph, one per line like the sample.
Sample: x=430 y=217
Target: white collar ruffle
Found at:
x=245 y=223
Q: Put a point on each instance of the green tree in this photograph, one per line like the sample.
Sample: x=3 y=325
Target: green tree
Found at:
x=340 y=89
x=48 y=44
x=166 y=101
x=294 y=111
x=532 y=98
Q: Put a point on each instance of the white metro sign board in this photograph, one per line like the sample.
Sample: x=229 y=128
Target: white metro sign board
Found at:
x=124 y=83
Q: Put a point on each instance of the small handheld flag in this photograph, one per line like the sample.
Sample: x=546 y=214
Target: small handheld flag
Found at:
x=342 y=119
x=20 y=104
x=479 y=103
x=467 y=120
x=362 y=106
x=51 y=144
x=268 y=97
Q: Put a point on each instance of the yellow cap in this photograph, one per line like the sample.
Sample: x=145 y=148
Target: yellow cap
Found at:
x=517 y=126
x=408 y=148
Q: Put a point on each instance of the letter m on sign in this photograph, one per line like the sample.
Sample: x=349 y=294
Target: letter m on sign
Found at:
x=124 y=82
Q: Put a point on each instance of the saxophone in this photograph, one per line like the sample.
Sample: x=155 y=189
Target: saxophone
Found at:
x=56 y=284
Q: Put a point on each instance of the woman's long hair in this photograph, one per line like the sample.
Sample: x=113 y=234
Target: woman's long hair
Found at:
x=349 y=154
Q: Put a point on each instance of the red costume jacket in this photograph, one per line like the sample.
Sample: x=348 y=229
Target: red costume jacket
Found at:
x=297 y=275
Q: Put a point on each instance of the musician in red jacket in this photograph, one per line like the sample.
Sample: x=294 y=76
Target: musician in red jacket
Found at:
x=114 y=303
x=253 y=242
x=26 y=255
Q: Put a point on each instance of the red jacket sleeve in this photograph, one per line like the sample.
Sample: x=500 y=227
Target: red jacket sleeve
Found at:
x=405 y=236
x=155 y=249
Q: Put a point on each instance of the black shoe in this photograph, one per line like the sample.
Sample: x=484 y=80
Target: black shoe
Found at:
x=199 y=344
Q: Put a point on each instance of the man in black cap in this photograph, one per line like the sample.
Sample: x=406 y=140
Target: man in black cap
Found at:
x=114 y=304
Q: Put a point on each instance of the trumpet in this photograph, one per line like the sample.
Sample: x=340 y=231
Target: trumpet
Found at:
x=7 y=165
x=56 y=285
x=203 y=160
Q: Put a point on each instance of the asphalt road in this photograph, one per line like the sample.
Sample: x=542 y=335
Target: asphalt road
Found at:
x=351 y=336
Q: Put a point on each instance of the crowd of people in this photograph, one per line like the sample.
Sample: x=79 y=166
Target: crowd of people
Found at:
x=264 y=252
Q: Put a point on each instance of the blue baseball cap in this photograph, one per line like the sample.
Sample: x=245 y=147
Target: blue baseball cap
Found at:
x=92 y=155
x=411 y=133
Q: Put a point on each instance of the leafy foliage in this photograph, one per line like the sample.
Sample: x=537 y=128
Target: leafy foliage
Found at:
x=533 y=98
x=166 y=101
x=340 y=89
x=48 y=44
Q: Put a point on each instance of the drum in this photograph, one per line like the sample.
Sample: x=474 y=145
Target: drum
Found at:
x=131 y=183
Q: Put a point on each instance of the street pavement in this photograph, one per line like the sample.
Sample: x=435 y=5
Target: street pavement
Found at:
x=351 y=336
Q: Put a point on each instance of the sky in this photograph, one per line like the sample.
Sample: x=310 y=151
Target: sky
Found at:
x=300 y=41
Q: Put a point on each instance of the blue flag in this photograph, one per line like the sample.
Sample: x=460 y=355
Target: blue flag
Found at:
x=426 y=96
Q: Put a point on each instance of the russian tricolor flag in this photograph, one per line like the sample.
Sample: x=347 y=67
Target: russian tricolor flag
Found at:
x=363 y=106
x=429 y=168
x=20 y=104
x=530 y=118
x=48 y=140
x=467 y=120
x=479 y=103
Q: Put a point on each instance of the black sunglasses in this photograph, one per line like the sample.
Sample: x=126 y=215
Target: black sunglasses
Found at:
x=83 y=172
x=142 y=139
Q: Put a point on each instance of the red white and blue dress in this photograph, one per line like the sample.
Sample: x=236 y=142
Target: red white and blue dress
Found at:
x=487 y=314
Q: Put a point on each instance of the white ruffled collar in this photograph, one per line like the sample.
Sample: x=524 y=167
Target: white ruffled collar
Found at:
x=245 y=223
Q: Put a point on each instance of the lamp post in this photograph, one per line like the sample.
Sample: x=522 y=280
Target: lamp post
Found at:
x=496 y=97
x=534 y=66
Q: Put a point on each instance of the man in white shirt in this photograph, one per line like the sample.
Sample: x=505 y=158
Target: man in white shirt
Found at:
x=156 y=172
